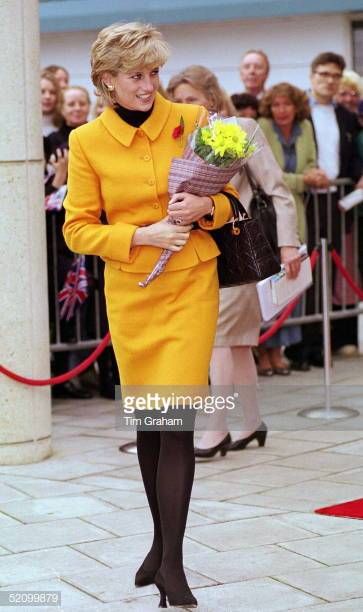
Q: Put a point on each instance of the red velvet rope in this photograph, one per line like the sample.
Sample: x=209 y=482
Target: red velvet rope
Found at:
x=56 y=380
x=344 y=272
x=288 y=309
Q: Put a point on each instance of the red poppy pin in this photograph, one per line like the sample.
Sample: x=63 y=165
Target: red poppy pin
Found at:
x=178 y=131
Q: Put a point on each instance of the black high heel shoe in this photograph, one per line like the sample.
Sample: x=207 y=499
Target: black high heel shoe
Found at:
x=144 y=577
x=223 y=447
x=180 y=600
x=260 y=435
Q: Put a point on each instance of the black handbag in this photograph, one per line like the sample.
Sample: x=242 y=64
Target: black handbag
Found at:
x=246 y=255
x=262 y=208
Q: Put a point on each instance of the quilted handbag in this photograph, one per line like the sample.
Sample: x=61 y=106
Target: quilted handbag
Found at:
x=246 y=255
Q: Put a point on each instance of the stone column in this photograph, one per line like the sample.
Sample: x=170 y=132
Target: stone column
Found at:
x=25 y=412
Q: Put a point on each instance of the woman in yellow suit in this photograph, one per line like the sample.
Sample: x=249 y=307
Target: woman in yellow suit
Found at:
x=163 y=334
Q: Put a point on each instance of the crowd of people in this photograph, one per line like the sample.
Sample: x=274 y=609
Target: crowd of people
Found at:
x=315 y=136
x=183 y=328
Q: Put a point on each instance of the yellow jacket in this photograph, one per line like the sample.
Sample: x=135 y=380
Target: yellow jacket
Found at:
x=123 y=170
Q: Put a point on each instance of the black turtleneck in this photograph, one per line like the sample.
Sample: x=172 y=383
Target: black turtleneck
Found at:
x=133 y=117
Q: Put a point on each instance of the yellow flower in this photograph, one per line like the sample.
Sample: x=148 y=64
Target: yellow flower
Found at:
x=226 y=138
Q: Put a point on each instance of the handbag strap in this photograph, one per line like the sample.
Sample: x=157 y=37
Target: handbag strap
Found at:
x=237 y=206
x=251 y=179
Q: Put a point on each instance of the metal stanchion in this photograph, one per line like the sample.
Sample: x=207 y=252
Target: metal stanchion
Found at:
x=327 y=411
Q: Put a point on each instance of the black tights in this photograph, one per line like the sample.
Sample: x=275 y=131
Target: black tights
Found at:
x=167 y=466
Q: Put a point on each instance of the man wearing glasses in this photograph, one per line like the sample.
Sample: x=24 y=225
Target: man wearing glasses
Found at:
x=336 y=131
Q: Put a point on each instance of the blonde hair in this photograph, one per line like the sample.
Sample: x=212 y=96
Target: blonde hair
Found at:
x=201 y=79
x=352 y=80
x=124 y=47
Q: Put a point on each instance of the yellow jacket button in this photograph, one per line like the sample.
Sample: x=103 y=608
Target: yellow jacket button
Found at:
x=156 y=206
x=151 y=182
x=147 y=157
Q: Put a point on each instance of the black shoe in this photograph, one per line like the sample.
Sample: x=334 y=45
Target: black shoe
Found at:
x=300 y=366
x=282 y=370
x=108 y=391
x=183 y=599
x=70 y=390
x=317 y=360
x=213 y=450
x=260 y=435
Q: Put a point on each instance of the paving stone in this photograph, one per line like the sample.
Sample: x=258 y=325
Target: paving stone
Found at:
x=108 y=482
x=7 y=521
x=122 y=499
x=52 y=508
x=285 y=447
x=8 y=494
x=221 y=490
x=351 y=605
x=246 y=533
x=322 y=435
x=42 y=564
x=23 y=538
x=353 y=448
x=106 y=455
x=55 y=469
x=118 y=583
x=320 y=491
x=246 y=564
x=42 y=487
x=330 y=583
x=280 y=503
x=261 y=595
x=74 y=445
x=350 y=476
x=240 y=459
x=321 y=524
x=226 y=511
x=269 y=475
x=324 y=461
x=334 y=549
x=70 y=596
x=130 y=549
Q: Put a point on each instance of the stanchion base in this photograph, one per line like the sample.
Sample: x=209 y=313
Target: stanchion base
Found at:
x=334 y=413
x=129 y=447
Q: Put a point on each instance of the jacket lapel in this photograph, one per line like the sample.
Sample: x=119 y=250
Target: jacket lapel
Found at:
x=124 y=133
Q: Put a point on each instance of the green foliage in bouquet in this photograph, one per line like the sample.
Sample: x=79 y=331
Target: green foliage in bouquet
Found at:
x=221 y=143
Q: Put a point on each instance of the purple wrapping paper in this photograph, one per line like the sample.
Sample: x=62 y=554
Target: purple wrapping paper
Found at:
x=192 y=174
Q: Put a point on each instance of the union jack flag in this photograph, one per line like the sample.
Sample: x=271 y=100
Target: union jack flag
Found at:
x=54 y=201
x=74 y=291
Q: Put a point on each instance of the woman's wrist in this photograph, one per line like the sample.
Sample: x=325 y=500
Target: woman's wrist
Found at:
x=139 y=236
x=210 y=211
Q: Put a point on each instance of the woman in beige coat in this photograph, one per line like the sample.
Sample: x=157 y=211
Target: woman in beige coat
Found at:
x=239 y=319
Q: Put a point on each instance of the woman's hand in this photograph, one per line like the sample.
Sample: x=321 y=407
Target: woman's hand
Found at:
x=186 y=208
x=316 y=178
x=163 y=234
x=59 y=161
x=291 y=259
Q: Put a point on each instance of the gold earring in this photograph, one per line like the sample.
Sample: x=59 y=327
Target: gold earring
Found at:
x=110 y=87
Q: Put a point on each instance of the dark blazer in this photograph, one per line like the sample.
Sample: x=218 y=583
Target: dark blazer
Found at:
x=350 y=164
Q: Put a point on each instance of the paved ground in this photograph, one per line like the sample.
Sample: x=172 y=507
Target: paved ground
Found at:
x=78 y=523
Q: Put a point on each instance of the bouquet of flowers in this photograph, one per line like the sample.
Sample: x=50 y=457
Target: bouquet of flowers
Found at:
x=213 y=156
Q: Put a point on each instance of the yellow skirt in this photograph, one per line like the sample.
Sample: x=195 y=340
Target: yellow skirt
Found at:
x=163 y=334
